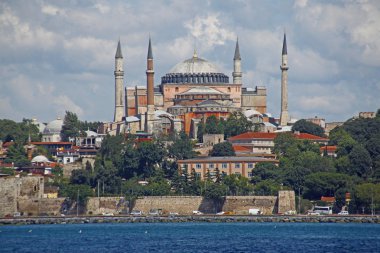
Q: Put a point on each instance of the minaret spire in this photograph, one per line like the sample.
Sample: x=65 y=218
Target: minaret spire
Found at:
x=150 y=54
x=284 y=117
x=284 y=47
x=118 y=51
x=237 y=74
x=237 y=51
x=150 y=90
x=119 y=83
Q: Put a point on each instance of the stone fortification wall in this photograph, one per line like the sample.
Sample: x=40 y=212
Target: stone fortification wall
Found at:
x=31 y=187
x=40 y=206
x=184 y=205
x=68 y=168
x=286 y=201
x=13 y=189
x=106 y=205
x=8 y=196
x=241 y=204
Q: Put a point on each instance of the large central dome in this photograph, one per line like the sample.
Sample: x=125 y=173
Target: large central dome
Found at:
x=195 y=71
x=194 y=65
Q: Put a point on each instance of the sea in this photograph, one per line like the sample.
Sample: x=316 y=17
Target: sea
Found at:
x=192 y=237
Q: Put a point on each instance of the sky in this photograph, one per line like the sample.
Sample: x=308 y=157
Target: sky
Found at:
x=58 y=56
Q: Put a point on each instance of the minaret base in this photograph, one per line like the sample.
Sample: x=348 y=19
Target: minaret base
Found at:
x=284 y=118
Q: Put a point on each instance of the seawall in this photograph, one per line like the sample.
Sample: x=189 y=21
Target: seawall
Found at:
x=177 y=219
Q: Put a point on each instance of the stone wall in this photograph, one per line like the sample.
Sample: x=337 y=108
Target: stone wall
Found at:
x=31 y=187
x=240 y=205
x=8 y=196
x=68 y=168
x=286 y=201
x=106 y=205
x=40 y=206
x=184 y=205
x=13 y=189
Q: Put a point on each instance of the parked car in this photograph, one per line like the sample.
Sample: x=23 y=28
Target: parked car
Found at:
x=343 y=213
x=197 y=212
x=154 y=212
x=291 y=212
x=221 y=213
x=136 y=213
x=107 y=214
x=173 y=214
x=254 y=211
x=312 y=213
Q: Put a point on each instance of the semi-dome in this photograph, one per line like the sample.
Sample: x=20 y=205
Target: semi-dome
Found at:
x=90 y=133
x=54 y=127
x=194 y=65
x=195 y=71
x=40 y=159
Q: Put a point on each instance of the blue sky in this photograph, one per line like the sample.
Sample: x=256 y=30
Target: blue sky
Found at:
x=59 y=55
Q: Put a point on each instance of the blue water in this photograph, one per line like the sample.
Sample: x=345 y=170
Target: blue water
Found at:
x=192 y=237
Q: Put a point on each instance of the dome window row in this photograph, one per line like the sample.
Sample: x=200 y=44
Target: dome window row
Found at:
x=195 y=78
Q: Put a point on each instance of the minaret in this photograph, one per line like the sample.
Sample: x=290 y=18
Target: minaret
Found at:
x=237 y=74
x=284 y=118
x=119 y=76
x=150 y=90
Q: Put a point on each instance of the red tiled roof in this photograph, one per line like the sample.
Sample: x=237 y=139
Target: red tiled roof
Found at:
x=271 y=136
x=241 y=149
x=328 y=148
x=8 y=144
x=253 y=135
x=328 y=199
x=306 y=136
x=52 y=143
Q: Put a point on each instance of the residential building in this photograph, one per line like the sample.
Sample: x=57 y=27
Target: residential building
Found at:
x=227 y=165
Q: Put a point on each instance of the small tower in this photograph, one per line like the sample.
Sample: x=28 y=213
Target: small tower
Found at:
x=284 y=117
x=237 y=74
x=150 y=90
x=119 y=79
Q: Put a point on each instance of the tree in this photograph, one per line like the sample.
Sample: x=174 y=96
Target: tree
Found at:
x=237 y=185
x=360 y=161
x=16 y=154
x=150 y=154
x=266 y=171
x=267 y=187
x=367 y=197
x=325 y=184
x=107 y=176
x=304 y=126
x=182 y=147
x=213 y=126
x=81 y=176
x=129 y=161
x=223 y=149
x=76 y=192
x=18 y=132
x=200 y=131
x=237 y=124
x=285 y=144
x=71 y=126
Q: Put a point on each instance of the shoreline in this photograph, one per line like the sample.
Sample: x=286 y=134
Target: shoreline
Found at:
x=193 y=218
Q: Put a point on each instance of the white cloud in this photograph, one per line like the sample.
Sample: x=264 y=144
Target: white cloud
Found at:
x=22 y=34
x=102 y=8
x=52 y=10
x=209 y=30
x=63 y=103
x=300 y=3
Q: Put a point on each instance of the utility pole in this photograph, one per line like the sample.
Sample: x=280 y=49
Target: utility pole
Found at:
x=78 y=203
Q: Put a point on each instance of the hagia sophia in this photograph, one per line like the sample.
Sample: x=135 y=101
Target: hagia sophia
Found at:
x=191 y=91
